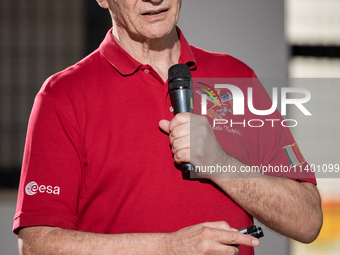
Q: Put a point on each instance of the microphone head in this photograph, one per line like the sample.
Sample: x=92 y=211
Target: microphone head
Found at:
x=179 y=77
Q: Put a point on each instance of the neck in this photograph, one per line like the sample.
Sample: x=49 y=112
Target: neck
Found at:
x=160 y=53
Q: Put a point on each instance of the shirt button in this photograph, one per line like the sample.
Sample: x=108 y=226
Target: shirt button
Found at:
x=171 y=109
x=146 y=71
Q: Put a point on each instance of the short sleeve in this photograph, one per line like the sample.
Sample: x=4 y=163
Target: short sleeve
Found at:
x=52 y=168
x=279 y=153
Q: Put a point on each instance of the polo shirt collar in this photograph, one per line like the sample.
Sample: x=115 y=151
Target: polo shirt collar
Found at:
x=127 y=65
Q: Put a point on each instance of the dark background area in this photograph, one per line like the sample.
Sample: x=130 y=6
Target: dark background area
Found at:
x=38 y=39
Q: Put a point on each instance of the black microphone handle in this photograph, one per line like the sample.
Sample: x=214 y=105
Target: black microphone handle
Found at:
x=181 y=101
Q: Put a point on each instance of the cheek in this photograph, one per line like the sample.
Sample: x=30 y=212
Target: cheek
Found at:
x=179 y=5
x=119 y=11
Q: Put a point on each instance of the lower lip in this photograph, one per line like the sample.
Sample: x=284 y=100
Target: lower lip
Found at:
x=155 y=16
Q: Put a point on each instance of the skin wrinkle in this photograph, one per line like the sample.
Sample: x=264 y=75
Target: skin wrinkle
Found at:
x=153 y=43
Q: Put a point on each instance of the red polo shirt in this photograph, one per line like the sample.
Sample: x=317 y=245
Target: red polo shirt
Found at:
x=96 y=160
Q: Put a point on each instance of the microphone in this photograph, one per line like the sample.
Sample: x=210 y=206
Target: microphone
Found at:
x=180 y=84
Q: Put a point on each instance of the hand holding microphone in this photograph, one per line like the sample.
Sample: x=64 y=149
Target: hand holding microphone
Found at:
x=180 y=94
x=180 y=84
x=204 y=149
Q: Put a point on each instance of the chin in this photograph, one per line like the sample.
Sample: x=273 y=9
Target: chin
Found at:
x=159 y=31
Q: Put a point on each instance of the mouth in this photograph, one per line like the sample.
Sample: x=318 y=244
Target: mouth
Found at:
x=150 y=13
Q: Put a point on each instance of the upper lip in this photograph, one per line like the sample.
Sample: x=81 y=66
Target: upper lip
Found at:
x=154 y=11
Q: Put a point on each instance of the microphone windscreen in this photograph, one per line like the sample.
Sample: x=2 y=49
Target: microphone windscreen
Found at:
x=179 y=77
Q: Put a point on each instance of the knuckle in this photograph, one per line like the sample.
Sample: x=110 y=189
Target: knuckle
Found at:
x=175 y=144
x=233 y=250
x=225 y=224
x=207 y=232
x=199 y=152
x=175 y=132
x=233 y=237
x=204 y=127
x=180 y=156
x=177 y=157
x=182 y=117
x=236 y=250
x=204 y=247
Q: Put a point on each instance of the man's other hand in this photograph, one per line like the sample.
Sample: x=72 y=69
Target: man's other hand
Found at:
x=209 y=238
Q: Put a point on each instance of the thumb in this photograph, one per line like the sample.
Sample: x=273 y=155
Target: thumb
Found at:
x=165 y=126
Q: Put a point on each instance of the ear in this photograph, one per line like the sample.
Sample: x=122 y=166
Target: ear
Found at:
x=103 y=3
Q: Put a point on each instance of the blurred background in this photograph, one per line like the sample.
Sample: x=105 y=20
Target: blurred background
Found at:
x=292 y=42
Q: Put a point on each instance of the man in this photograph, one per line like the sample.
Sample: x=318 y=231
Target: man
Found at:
x=98 y=175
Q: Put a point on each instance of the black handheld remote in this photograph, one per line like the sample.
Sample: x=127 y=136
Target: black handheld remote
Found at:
x=252 y=231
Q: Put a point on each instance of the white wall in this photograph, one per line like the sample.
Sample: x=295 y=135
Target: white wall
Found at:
x=252 y=31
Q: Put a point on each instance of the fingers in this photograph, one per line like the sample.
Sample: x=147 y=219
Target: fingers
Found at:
x=177 y=124
x=179 y=135
x=219 y=225
x=235 y=238
x=210 y=238
x=228 y=235
x=204 y=149
x=179 y=119
x=180 y=141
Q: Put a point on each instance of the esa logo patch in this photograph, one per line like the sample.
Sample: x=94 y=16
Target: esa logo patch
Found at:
x=32 y=188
